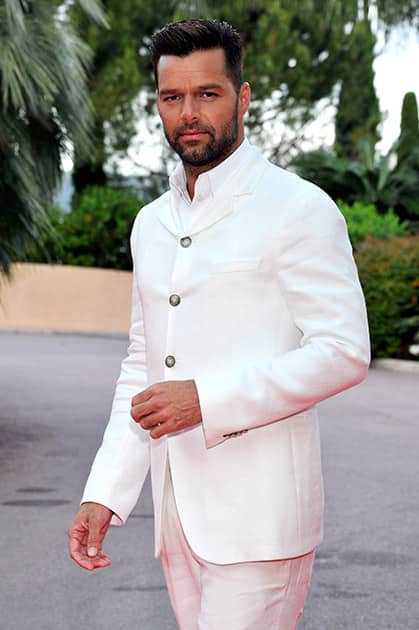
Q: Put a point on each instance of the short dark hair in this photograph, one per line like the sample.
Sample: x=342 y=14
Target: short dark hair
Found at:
x=187 y=36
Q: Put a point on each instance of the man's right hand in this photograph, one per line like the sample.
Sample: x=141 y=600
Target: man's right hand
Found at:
x=86 y=535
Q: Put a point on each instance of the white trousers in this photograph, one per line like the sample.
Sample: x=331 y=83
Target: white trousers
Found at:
x=266 y=595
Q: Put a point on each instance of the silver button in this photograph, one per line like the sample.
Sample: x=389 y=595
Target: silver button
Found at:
x=170 y=361
x=174 y=299
x=186 y=241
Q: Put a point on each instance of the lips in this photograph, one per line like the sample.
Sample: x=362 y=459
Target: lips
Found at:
x=192 y=134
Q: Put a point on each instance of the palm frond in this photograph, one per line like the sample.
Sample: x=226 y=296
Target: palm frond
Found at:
x=44 y=105
x=94 y=11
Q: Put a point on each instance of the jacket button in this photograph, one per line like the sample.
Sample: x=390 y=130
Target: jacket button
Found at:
x=186 y=241
x=174 y=299
x=170 y=361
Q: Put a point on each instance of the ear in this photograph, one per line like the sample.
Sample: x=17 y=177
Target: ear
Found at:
x=244 y=98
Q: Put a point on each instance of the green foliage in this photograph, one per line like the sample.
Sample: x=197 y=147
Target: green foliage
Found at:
x=294 y=57
x=120 y=70
x=364 y=220
x=408 y=141
x=372 y=179
x=293 y=60
x=344 y=178
x=43 y=107
x=394 y=13
x=94 y=234
x=389 y=273
x=291 y=49
x=358 y=112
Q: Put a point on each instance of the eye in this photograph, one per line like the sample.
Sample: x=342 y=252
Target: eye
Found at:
x=171 y=99
x=209 y=95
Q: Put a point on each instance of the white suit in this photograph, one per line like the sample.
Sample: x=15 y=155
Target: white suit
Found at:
x=262 y=306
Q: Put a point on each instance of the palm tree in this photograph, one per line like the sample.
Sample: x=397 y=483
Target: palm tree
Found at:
x=44 y=107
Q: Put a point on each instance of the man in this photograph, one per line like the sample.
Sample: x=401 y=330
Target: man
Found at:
x=246 y=312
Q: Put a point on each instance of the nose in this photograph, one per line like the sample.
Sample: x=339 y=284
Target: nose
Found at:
x=190 y=111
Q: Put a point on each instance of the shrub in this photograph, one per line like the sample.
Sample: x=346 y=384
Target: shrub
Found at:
x=372 y=179
x=389 y=273
x=364 y=220
x=94 y=234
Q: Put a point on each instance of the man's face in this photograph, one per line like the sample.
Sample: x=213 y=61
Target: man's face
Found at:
x=201 y=112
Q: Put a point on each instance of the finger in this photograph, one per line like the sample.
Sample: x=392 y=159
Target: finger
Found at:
x=94 y=539
x=153 y=420
x=160 y=429
x=80 y=559
x=142 y=397
x=98 y=562
x=78 y=550
x=140 y=411
x=77 y=536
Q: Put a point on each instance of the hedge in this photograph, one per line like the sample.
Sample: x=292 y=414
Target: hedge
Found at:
x=364 y=220
x=94 y=234
x=389 y=274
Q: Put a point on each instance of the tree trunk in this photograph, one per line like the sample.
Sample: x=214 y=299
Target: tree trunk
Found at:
x=88 y=170
x=88 y=175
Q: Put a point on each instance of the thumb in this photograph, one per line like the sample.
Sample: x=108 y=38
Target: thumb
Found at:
x=93 y=539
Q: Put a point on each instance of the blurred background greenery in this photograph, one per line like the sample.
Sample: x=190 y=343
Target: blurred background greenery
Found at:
x=75 y=78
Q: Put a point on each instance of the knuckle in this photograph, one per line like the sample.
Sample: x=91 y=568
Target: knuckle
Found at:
x=158 y=404
x=163 y=415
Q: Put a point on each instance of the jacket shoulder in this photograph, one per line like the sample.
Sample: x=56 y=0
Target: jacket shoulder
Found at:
x=292 y=184
x=148 y=212
x=297 y=198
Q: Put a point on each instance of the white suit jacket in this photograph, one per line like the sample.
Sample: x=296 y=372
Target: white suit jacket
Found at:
x=271 y=320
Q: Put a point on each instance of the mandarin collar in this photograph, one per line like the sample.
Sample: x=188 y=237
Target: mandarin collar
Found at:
x=208 y=183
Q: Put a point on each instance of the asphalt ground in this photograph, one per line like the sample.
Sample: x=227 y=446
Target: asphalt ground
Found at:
x=55 y=396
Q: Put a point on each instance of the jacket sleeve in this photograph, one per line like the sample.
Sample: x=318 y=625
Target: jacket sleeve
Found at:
x=122 y=461
x=318 y=278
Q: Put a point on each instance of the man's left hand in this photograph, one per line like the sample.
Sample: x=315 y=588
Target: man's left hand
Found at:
x=167 y=407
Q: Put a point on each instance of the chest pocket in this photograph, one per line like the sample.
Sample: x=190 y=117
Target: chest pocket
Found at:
x=235 y=265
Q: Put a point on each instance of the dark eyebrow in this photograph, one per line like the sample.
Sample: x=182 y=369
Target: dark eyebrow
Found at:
x=164 y=92
x=211 y=86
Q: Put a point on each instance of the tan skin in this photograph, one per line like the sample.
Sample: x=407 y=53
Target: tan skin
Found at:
x=195 y=91
x=196 y=101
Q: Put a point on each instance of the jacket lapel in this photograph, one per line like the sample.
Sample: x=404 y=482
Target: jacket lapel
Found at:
x=243 y=183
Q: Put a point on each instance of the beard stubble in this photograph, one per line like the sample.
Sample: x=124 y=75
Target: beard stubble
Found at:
x=215 y=150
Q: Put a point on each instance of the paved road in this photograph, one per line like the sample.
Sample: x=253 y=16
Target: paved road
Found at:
x=55 y=395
